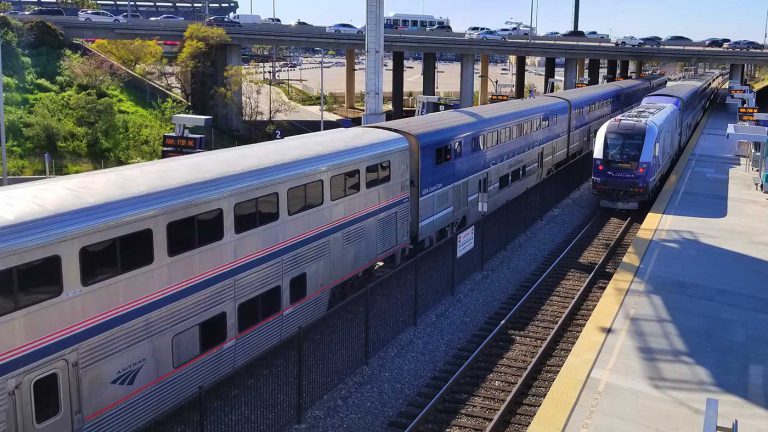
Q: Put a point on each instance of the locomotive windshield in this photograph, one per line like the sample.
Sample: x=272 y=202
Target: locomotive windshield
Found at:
x=623 y=146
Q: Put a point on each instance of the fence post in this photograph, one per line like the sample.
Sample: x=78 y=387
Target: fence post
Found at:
x=367 y=334
x=416 y=290
x=300 y=375
x=454 y=260
x=200 y=410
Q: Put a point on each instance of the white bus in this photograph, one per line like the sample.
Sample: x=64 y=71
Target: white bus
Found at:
x=413 y=22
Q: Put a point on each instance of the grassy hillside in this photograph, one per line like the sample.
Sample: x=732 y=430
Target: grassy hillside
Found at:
x=71 y=106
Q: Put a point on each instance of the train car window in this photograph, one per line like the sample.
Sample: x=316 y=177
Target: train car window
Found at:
x=184 y=235
x=109 y=258
x=504 y=181
x=258 y=308
x=344 y=185
x=377 y=174
x=196 y=340
x=257 y=212
x=46 y=397
x=442 y=155
x=297 y=288
x=30 y=283
x=514 y=175
x=545 y=122
x=523 y=170
x=494 y=138
x=457 y=149
x=305 y=197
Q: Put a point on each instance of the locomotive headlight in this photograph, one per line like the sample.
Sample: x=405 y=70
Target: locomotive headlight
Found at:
x=643 y=167
x=599 y=164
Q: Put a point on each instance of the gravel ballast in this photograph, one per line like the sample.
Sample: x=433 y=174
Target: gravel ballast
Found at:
x=373 y=395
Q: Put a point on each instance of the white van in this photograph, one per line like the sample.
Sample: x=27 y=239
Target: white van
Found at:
x=246 y=19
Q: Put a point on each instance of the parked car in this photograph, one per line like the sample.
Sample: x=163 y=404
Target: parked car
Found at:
x=167 y=17
x=486 y=35
x=222 y=21
x=46 y=11
x=629 y=40
x=475 y=29
x=98 y=16
x=134 y=15
x=715 y=42
x=514 y=31
x=652 y=41
x=596 y=35
x=574 y=34
x=271 y=21
x=743 y=44
x=444 y=28
x=552 y=34
x=301 y=23
x=344 y=28
x=677 y=39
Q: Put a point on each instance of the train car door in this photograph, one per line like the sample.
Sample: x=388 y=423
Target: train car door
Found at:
x=43 y=400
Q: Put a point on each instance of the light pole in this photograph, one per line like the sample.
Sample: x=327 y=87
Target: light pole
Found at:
x=2 y=123
x=322 y=90
x=765 y=36
x=530 y=26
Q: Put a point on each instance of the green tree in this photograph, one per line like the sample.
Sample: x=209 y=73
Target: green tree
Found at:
x=194 y=64
x=5 y=7
x=137 y=55
x=80 y=4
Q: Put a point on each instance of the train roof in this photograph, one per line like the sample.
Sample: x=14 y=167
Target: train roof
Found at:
x=77 y=202
x=584 y=94
x=451 y=124
x=682 y=91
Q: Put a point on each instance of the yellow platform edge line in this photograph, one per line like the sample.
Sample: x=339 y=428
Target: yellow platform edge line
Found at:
x=556 y=409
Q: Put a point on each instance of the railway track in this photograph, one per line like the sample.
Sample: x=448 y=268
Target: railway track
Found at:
x=497 y=381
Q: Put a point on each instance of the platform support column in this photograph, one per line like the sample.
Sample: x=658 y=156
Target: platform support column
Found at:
x=374 y=62
x=483 y=79
x=349 y=92
x=624 y=69
x=613 y=71
x=467 y=85
x=398 y=66
x=428 y=74
x=569 y=79
x=638 y=69
x=520 y=77
x=594 y=71
x=549 y=74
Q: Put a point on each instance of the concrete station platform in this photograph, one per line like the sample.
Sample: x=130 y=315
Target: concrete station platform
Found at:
x=690 y=322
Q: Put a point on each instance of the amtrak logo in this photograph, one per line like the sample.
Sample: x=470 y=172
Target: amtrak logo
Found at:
x=127 y=375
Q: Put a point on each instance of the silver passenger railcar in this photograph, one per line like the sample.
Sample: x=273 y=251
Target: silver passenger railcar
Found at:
x=123 y=290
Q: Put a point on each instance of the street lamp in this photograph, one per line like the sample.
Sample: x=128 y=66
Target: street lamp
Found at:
x=322 y=90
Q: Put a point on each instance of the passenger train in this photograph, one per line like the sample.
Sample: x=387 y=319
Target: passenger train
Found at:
x=636 y=150
x=124 y=290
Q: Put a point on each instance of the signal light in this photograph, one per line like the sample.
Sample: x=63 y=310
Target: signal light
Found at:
x=641 y=170
x=599 y=167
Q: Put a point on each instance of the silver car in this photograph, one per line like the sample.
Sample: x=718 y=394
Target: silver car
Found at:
x=344 y=28
x=486 y=35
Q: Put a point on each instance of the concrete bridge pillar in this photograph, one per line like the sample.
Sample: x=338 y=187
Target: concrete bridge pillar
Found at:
x=569 y=79
x=349 y=93
x=594 y=71
x=624 y=69
x=613 y=71
x=638 y=69
x=226 y=114
x=580 y=69
x=737 y=73
x=428 y=74
x=483 y=79
x=398 y=66
x=549 y=73
x=467 y=85
x=520 y=77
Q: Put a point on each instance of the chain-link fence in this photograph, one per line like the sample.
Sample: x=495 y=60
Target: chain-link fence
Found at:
x=271 y=392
